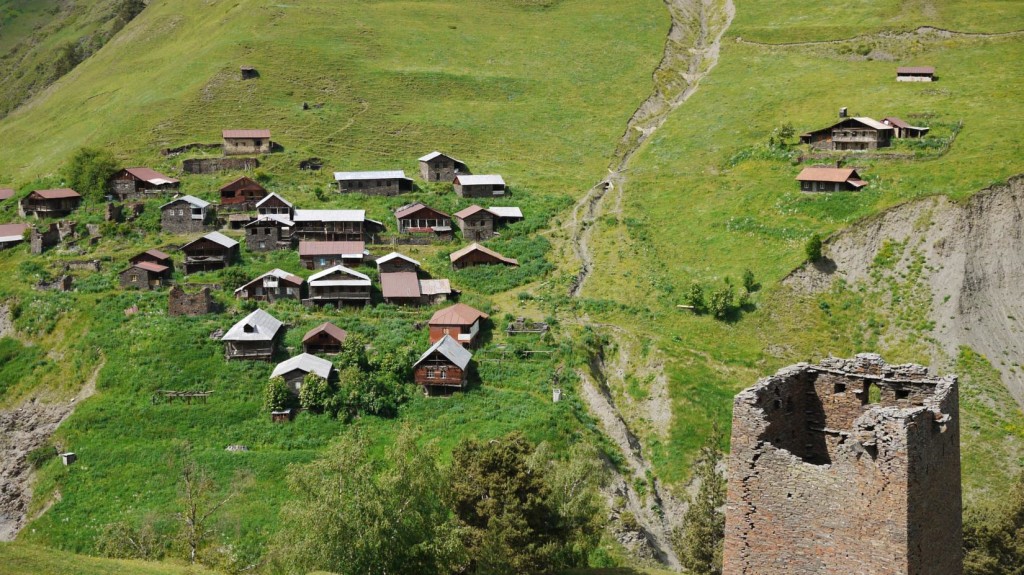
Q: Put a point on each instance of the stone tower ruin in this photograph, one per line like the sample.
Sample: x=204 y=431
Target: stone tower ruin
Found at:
x=846 y=467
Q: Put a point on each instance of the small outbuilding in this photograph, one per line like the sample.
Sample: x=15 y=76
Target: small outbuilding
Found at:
x=272 y=286
x=420 y=219
x=915 y=74
x=212 y=252
x=322 y=255
x=269 y=233
x=339 y=286
x=476 y=223
x=255 y=337
x=12 y=234
x=57 y=203
x=903 y=129
x=242 y=194
x=145 y=275
x=383 y=183
x=241 y=142
x=324 y=339
x=487 y=186
x=459 y=321
x=400 y=283
x=294 y=370
x=186 y=214
x=444 y=368
x=477 y=255
x=141 y=182
x=830 y=180
x=506 y=214
x=438 y=167
x=153 y=256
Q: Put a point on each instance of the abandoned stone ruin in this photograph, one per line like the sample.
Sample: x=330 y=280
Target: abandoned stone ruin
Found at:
x=849 y=466
x=182 y=303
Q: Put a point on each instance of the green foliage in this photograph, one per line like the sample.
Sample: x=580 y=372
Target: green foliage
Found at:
x=749 y=283
x=121 y=540
x=994 y=536
x=315 y=393
x=88 y=172
x=721 y=301
x=699 y=541
x=362 y=393
x=812 y=249
x=276 y=395
x=695 y=297
x=40 y=456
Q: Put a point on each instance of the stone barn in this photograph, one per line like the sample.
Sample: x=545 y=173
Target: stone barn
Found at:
x=141 y=182
x=487 y=186
x=255 y=337
x=272 y=286
x=438 y=167
x=50 y=203
x=324 y=339
x=242 y=194
x=187 y=214
x=848 y=466
x=475 y=223
x=242 y=142
x=850 y=134
x=477 y=255
x=830 y=180
x=322 y=255
x=385 y=183
x=153 y=256
x=444 y=368
x=212 y=252
x=294 y=370
x=145 y=275
x=269 y=233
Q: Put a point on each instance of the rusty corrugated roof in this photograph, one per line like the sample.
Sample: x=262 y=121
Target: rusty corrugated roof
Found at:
x=152 y=176
x=6 y=193
x=458 y=314
x=331 y=248
x=150 y=266
x=328 y=328
x=915 y=70
x=400 y=284
x=58 y=194
x=246 y=134
x=406 y=211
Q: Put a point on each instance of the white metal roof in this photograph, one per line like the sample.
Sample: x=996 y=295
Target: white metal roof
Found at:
x=506 y=212
x=304 y=362
x=872 y=122
x=257 y=326
x=6 y=239
x=221 y=239
x=275 y=217
x=382 y=175
x=278 y=273
x=449 y=348
x=330 y=215
x=317 y=279
x=394 y=255
x=484 y=180
x=435 y=154
x=192 y=200
x=435 y=287
x=273 y=195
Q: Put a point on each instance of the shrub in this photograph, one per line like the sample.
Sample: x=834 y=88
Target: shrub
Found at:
x=88 y=172
x=275 y=395
x=813 y=248
x=695 y=297
x=315 y=393
x=749 y=283
x=39 y=456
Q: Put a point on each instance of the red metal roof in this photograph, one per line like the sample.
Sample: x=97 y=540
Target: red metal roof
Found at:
x=156 y=254
x=331 y=248
x=6 y=193
x=915 y=70
x=400 y=284
x=412 y=209
x=243 y=183
x=456 y=256
x=150 y=266
x=57 y=194
x=12 y=229
x=328 y=328
x=148 y=174
x=458 y=314
x=470 y=211
x=827 y=175
x=246 y=134
x=896 y=122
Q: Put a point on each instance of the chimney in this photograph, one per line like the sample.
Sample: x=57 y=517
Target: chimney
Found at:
x=842 y=112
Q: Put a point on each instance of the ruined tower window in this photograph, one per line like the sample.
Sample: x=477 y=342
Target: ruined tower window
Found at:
x=870 y=394
x=839 y=388
x=902 y=393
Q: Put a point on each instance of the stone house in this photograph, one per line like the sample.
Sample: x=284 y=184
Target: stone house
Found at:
x=189 y=304
x=915 y=74
x=460 y=321
x=384 y=183
x=214 y=251
x=418 y=218
x=903 y=129
x=153 y=256
x=269 y=233
x=255 y=337
x=477 y=255
x=145 y=275
x=322 y=255
x=187 y=214
x=241 y=142
x=830 y=180
x=469 y=186
x=294 y=370
x=438 y=167
x=324 y=339
x=476 y=223
x=140 y=182
x=444 y=368
x=850 y=134
x=272 y=286
x=12 y=235
x=57 y=203
x=339 y=286
x=242 y=194
x=275 y=205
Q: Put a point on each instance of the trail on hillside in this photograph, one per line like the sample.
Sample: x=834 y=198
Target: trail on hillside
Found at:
x=23 y=429
x=918 y=33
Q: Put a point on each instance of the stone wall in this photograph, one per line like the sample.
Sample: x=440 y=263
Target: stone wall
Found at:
x=214 y=165
x=181 y=303
x=849 y=466
x=39 y=241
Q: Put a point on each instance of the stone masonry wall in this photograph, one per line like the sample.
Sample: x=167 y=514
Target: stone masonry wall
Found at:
x=846 y=467
x=181 y=303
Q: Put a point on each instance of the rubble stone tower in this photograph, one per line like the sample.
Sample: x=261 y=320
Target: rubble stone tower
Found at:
x=849 y=467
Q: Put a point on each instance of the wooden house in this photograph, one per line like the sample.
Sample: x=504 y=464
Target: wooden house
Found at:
x=339 y=286
x=476 y=223
x=272 y=286
x=255 y=337
x=435 y=291
x=915 y=74
x=214 y=251
x=140 y=182
x=335 y=226
x=294 y=370
x=187 y=214
x=400 y=283
x=384 y=183
x=153 y=256
x=324 y=339
x=487 y=186
x=322 y=255
x=241 y=142
x=443 y=368
x=145 y=275
x=269 y=233
x=50 y=203
x=830 y=180
x=904 y=130
x=850 y=134
x=242 y=194
x=420 y=219
x=438 y=167
x=504 y=215
x=275 y=205
x=12 y=235
x=460 y=321
x=477 y=255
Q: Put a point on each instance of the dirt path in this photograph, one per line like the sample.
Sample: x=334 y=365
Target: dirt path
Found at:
x=919 y=33
x=23 y=429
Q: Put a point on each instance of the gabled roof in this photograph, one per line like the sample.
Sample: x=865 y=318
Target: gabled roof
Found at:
x=330 y=216
x=436 y=154
x=152 y=176
x=399 y=284
x=871 y=122
x=150 y=267
x=6 y=193
x=243 y=182
x=246 y=133
x=215 y=237
x=380 y=175
x=474 y=247
x=915 y=70
x=155 y=254
x=451 y=350
x=304 y=362
x=266 y=218
x=406 y=211
x=191 y=200
x=471 y=211
x=279 y=274
x=511 y=212
x=396 y=255
x=349 y=249
x=458 y=314
x=482 y=180
x=12 y=232
x=838 y=175
x=435 y=287
x=328 y=328
x=58 y=194
x=900 y=123
x=273 y=195
x=257 y=326
x=318 y=279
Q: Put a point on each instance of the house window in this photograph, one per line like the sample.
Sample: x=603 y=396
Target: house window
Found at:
x=323 y=262
x=263 y=245
x=181 y=212
x=444 y=372
x=431 y=373
x=134 y=278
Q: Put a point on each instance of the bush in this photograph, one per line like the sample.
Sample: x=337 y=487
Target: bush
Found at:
x=89 y=171
x=40 y=456
x=813 y=248
x=276 y=395
x=695 y=297
x=315 y=393
x=749 y=283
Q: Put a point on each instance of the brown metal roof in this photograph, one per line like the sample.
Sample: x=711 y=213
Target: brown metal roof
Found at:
x=458 y=314
x=150 y=266
x=155 y=254
x=411 y=209
x=243 y=183
x=12 y=230
x=6 y=193
x=331 y=248
x=246 y=134
x=915 y=70
x=456 y=256
x=399 y=284
x=148 y=174
x=827 y=175
x=893 y=120
x=470 y=211
x=328 y=328
x=57 y=194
